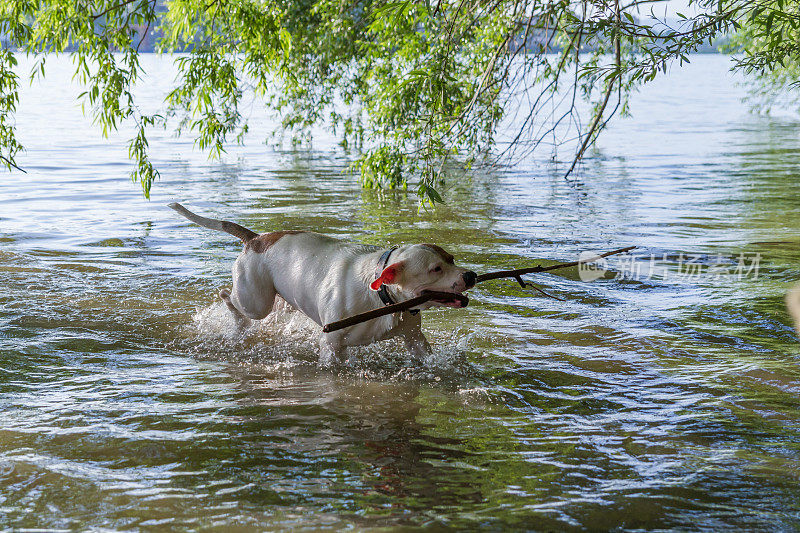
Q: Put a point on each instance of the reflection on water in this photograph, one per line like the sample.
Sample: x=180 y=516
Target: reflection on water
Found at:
x=129 y=400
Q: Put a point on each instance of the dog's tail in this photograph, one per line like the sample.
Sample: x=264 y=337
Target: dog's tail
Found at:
x=220 y=225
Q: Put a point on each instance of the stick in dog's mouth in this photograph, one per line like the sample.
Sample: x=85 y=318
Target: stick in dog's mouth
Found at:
x=454 y=299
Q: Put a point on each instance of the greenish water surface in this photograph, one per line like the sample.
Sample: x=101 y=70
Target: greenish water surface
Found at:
x=663 y=398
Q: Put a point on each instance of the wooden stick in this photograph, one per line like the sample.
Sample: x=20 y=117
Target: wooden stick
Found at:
x=394 y=308
x=532 y=270
x=432 y=295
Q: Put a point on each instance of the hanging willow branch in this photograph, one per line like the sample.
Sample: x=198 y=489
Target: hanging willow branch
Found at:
x=596 y=126
x=433 y=295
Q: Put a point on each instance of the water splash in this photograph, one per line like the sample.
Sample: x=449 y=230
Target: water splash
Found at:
x=287 y=338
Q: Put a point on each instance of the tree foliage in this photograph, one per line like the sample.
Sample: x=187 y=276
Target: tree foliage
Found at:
x=411 y=86
x=767 y=48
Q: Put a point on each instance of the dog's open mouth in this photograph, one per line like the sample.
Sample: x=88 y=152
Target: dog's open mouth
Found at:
x=449 y=299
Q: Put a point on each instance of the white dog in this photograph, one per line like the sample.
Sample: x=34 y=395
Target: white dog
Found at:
x=329 y=279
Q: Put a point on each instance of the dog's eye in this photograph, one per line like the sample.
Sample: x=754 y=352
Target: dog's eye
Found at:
x=437 y=269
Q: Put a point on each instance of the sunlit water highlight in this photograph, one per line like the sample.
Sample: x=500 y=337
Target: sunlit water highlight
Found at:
x=130 y=400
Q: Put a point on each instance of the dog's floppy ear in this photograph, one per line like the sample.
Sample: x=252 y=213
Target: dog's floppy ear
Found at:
x=388 y=276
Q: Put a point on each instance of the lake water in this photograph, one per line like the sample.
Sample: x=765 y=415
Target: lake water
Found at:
x=663 y=398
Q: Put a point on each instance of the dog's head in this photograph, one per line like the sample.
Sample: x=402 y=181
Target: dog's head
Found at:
x=422 y=267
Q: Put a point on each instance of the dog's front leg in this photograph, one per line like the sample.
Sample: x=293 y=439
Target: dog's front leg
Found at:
x=416 y=343
x=331 y=350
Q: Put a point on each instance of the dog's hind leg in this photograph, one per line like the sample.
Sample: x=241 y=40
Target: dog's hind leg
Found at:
x=253 y=294
x=241 y=320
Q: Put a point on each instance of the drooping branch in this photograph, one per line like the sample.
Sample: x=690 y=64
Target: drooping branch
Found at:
x=614 y=78
x=423 y=82
x=10 y=163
